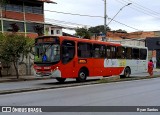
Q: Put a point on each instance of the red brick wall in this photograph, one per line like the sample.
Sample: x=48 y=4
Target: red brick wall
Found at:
x=118 y=36
x=20 y=16
x=32 y=35
x=34 y=17
x=13 y=15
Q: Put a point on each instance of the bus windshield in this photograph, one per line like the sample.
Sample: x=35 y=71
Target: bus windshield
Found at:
x=47 y=52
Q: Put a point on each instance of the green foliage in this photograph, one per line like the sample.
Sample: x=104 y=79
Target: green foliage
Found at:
x=120 y=31
x=14 y=46
x=87 y=33
x=83 y=32
x=98 y=29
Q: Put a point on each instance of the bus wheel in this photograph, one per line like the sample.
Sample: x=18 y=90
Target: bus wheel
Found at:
x=127 y=72
x=61 y=80
x=82 y=75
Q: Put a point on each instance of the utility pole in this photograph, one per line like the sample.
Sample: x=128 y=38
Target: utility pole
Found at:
x=1 y=14
x=105 y=19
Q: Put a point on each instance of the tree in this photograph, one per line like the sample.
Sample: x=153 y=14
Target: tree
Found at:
x=13 y=47
x=87 y=33
x=98 y=29
x=83 y=33
x=39 y=29
x=121 y=31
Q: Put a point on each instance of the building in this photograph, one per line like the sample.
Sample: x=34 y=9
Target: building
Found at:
x=153 y=44
x=53 y=30
x=26 y=14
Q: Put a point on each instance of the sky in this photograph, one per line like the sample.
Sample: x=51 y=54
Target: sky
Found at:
x=141 y=15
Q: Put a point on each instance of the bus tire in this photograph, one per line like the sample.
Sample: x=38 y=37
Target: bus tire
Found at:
x=82 y=75
x=61 y=80
x=127 y=72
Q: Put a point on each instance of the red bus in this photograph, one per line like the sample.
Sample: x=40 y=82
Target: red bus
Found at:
x=64 y=57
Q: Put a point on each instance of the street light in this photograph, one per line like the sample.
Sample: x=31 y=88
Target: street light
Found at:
x=118 y=13
x=105 y=16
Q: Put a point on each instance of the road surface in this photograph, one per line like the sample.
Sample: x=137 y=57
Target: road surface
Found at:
x=127 y=93
x=45 y=83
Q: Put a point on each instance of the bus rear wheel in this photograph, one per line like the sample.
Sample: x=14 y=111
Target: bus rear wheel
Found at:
x=82 y=75
x=127 y=72
x=61 y=80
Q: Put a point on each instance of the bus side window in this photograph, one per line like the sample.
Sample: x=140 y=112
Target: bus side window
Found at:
x=84 y=50
x=143 y=54
x=68 y=51
x=121 y=52
x=99 y=51
x=102 y=51
x=108 y=52
x=113 y=52
x=129 y=53
x=135 y=53
x=96 y=51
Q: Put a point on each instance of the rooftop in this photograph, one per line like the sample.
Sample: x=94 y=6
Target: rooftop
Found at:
x=47 y=1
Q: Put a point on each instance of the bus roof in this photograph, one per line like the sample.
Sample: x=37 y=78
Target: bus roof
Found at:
x=89 y=41
x=92 y=41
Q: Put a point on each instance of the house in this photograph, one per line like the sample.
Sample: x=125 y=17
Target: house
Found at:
x=53 y=30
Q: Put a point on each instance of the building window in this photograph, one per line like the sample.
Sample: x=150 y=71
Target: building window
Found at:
x=57 y=31
x=34 y=8
x=7 y=25
x=31 y=27
x=52 y=32
x=13 y=6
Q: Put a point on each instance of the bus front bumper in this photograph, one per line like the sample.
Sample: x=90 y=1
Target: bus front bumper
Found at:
x=56 y=73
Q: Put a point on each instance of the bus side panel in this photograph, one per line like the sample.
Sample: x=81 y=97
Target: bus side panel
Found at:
x=84 y=62
x=137 y=66
x=142 y=66
x=99 y=69
x=68 y=70
x=114 y=66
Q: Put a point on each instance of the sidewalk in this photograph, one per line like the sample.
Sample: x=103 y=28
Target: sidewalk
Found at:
x=156 y=70
x=32 y=77
x=14 y=78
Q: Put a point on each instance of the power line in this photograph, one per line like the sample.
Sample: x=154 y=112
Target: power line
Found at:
x=86 y=16
x=125 y=25
x=140 y=9
x=74 y=14
x=64 y=22
x=145 y=7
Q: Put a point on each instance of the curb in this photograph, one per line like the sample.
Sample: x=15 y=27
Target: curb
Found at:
x=108 y=80
x=45 y=88
x=21 y=79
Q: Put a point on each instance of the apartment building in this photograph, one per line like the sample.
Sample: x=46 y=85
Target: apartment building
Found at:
x=26 y=14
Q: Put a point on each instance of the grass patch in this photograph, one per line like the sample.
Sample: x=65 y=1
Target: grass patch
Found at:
x=109 y=79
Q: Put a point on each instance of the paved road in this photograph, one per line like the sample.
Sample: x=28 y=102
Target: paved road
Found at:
x=128 y=93
x=45 y=83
